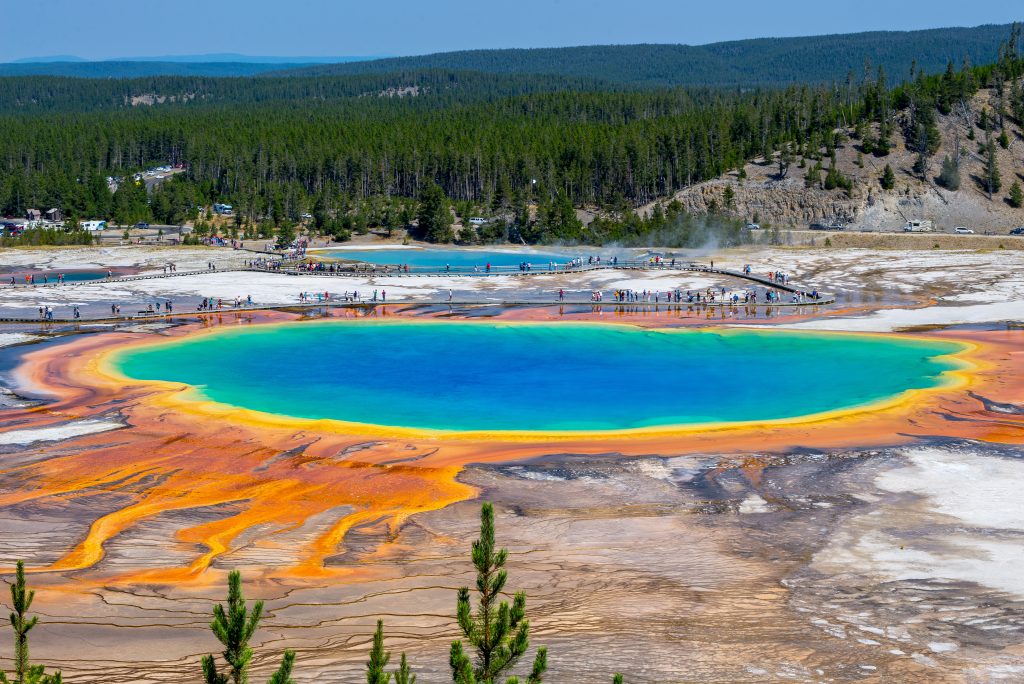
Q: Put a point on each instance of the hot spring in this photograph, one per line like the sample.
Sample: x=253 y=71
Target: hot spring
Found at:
x=490 y=376
x=51 y=277
x=458 y=260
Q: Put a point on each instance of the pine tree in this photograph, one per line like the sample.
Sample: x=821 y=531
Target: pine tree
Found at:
x=234 y=628
x=434 y=217
x=882 y=145
x=375 y=673
x=497 y=632
x=949 y=177
x=21 y=601
x=785 y=160
x=813 y=176
x=404 y=675
x=993 y=182
x=729 y=197
x=1016 y=195
x=379 y=658
x=888 y=178
x=285 y=234
x=284 y=672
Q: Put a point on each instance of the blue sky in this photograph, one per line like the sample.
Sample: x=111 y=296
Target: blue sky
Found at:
x=100 y=29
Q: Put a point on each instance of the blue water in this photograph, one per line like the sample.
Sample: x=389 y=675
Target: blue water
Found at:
x=51 y=276
x=424 y=258
x=537 y=377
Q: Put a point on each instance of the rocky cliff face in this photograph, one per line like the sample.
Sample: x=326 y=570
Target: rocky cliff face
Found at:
x=785 y=202
x=763 y=197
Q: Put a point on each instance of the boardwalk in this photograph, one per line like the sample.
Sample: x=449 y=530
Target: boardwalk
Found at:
x=643 y=265
x=324 y=307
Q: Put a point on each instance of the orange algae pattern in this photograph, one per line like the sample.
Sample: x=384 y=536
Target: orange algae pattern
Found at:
x=273 y=481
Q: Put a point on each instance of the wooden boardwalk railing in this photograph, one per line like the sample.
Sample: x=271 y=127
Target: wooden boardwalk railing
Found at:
x=641 y=265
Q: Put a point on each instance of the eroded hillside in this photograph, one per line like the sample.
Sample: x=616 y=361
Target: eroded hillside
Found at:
x=767 y=192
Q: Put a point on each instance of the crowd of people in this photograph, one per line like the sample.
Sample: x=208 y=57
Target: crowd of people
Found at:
x=780 y=292
x=318 y=267
x=265 y=264
x=379 y=295
x=709 y=296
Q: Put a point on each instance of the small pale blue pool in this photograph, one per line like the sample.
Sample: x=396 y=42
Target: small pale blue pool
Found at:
x=52 y=277
x=455 y=259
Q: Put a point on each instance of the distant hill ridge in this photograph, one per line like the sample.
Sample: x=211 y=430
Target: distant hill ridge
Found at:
x=141 y=69
x=214 y=64
x=742 y=63
x=753 y=62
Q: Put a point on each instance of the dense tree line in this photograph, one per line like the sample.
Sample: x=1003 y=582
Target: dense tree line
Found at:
x=356 y=162
x=423 y=88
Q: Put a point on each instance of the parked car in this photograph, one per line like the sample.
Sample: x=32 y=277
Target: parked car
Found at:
x=753 y=226
x=142 y=225
x=826 y=226
x=961 y=230
x=1017 y=231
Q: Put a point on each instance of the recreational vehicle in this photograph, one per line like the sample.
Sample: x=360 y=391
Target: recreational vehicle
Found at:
x=918 y=227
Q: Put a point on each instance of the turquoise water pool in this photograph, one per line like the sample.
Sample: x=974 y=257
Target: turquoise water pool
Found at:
x=457 y=259
x=538 y=377
x=51 y=276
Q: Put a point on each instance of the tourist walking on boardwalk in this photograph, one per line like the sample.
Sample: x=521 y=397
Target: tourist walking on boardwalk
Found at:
x=449 y=296
x=561 y=295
